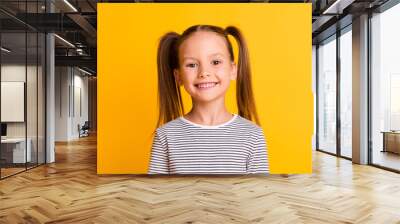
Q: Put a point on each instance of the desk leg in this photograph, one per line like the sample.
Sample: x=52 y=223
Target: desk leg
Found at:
x=384 y=142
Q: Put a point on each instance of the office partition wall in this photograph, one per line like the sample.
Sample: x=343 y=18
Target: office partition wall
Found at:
x=14 y=147
x=22 y=77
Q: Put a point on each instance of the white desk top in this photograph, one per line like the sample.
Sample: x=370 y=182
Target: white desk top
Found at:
x=13 y=140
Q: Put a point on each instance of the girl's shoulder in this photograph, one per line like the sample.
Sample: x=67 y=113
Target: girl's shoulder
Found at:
x=254 y=130
x=248 y=124
x=171 y=125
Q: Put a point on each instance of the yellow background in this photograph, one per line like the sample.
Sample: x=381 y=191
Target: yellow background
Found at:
x=279 y=41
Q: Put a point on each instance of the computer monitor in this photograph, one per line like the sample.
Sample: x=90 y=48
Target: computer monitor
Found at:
x=3 y=129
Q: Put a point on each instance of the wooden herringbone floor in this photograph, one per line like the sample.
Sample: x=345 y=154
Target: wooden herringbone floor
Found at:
x=70 y=191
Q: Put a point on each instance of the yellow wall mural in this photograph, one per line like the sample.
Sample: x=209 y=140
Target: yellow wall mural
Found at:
x=279 y=42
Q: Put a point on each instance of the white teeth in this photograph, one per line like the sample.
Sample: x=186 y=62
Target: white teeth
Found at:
x=206 y=85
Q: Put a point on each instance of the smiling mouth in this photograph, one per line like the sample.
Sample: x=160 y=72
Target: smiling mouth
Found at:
x=206 y=85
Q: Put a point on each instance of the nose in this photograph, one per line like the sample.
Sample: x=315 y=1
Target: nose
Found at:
x=204 y=73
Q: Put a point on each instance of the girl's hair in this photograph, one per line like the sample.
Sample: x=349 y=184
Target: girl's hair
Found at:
x=169 y=94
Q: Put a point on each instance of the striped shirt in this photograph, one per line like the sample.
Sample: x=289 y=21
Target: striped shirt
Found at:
x=183 y=147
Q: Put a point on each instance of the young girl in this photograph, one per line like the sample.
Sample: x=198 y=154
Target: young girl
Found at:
x=208 y=139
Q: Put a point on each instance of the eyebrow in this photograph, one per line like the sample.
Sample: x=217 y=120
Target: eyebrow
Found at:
x=215 y=54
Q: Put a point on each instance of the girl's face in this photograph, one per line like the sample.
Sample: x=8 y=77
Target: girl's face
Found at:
x=205 y=68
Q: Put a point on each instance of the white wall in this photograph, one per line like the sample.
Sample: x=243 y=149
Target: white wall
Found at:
x=80 y=83
x=16 y=72
x=71 y=87
x=12 y=101
x=62 y=81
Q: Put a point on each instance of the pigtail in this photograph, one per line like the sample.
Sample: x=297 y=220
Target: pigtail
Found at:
x=169 y=94
x=244 y=90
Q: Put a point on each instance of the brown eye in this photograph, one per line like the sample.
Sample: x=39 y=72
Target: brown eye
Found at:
x=216 y=62
x=191 y=65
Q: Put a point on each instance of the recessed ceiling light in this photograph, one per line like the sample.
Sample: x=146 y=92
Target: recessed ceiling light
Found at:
x=5 y=50
x=338 y=6
x=64 y=40
x=84 y=71
x=71 y=6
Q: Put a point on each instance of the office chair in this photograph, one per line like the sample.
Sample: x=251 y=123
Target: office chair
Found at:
x=84 y=130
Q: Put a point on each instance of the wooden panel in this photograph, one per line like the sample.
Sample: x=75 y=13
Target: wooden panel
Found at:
x=70 y=191
x=392 y=142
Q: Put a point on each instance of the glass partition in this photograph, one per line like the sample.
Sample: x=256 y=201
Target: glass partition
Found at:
x=22 y=88
x=14 y=153
x=327 y=95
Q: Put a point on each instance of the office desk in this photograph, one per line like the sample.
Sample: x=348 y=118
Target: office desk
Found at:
x=15 y=148
x=391 y=141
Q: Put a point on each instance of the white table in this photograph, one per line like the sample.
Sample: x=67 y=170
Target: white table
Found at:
x=19 y=155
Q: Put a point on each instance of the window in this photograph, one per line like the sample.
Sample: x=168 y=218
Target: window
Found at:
x=327 y=95
x=385 y=88
x=346 y=93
